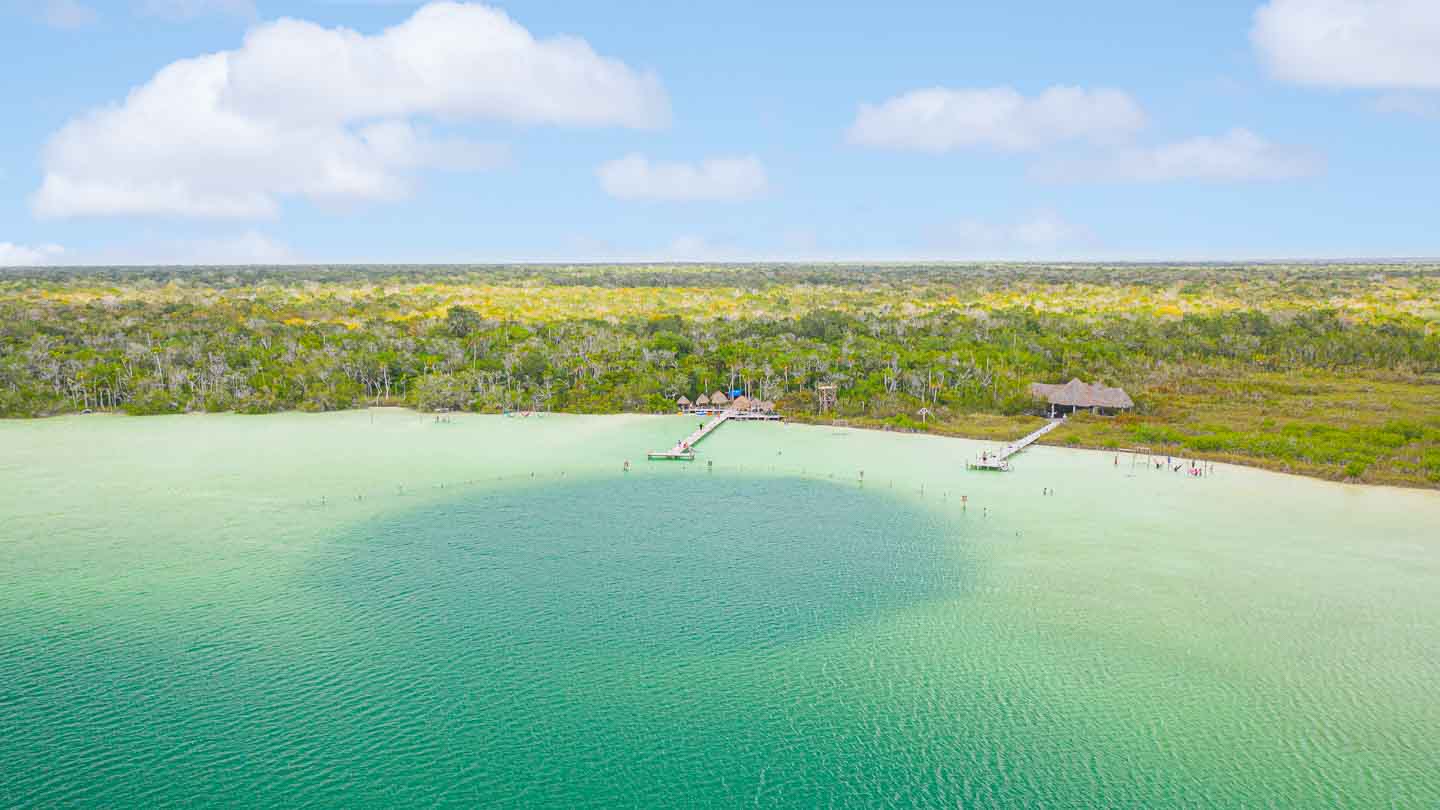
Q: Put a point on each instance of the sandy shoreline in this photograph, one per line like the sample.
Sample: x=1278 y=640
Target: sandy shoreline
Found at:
x=1246 y=462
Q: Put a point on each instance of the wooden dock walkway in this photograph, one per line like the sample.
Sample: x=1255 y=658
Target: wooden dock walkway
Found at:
x=684 y=450
x=1000 y=460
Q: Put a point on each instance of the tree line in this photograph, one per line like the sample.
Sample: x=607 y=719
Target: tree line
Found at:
x=167 y=357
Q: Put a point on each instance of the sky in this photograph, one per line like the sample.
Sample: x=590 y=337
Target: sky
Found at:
x=251 y=132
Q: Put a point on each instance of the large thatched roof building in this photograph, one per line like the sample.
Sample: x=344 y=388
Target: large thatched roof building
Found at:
x=1076 y=395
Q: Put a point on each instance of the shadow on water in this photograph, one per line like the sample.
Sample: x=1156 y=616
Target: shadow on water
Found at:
x=643 y=566
x=613 y=642
x=621 y=642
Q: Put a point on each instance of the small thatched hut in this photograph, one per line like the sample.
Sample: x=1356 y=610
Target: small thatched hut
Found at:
x=741 y=403
x=702 y=401
x=718 y=398
x=1081 y=396
x=683 y=402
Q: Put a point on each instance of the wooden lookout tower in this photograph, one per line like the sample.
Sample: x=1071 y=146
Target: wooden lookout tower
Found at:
x=826 y=394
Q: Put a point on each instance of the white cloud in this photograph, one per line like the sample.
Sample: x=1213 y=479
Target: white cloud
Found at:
x=1236 y=156
x=941 y=119
x=1039 y=235
x=635 y=177
x=68 y=14
x=1351 y=43
x=13 y=255
x=328 y=114
x=400 y=144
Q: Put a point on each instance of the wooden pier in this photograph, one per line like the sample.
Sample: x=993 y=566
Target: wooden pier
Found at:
x=1000 y=460
x=684 y=450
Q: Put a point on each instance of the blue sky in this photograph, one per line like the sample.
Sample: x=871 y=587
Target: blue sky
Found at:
x=187 y=131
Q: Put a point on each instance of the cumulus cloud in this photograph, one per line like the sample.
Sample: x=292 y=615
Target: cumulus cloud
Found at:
x=1351 y=43
x=1236 y=156
x=330 y=114
x=1040 y=234
x=941 y=119
x=13 y=255
x=400 y=144
x=636 y=177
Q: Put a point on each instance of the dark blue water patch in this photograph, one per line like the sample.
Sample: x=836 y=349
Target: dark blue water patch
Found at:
x=667 y=566
x=606 y=643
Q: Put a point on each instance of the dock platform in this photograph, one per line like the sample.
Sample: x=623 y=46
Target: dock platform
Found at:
x=1000 y=460
x=684 y=450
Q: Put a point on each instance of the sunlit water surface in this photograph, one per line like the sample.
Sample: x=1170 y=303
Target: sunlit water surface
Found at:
x=376 y=609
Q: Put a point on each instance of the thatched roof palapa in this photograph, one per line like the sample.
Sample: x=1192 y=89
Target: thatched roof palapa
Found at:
x=741 y=403
x=702 y=400
x=683 y=401
x=1077 y=394
x=718 y=398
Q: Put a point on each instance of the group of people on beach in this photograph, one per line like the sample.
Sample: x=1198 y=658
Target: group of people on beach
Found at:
x=1193 y=468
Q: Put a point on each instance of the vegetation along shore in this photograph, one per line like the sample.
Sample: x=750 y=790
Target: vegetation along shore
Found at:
x=1331 y=370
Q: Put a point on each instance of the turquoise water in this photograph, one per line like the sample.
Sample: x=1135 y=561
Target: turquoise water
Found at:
x=375 y=609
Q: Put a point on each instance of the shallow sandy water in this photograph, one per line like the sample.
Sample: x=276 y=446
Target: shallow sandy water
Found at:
x=373 y=607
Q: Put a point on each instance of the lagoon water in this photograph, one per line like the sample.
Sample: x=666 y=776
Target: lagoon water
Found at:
x=375 y=609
